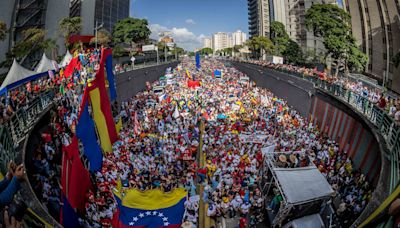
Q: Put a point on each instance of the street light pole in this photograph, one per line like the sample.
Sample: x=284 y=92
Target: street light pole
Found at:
x=95 y=30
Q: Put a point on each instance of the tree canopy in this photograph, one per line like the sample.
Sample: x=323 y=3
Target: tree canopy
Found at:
x=131 y=30
x=33 y=39
x=3 y=30
x=103 y=37
x=292 y=52
x=69 y=26
x=333 y=24
x=206 y=51
x=260 y=44
x=280 y=38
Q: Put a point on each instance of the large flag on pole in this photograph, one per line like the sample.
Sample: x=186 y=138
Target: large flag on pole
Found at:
x=86 y=133
x=75 y=182
x=102 y=111
x=106 y=56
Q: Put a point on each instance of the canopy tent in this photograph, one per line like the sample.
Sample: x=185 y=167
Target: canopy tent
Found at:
x=45 y=64
x=67 y=58
x=15 y=74
x=301 y=185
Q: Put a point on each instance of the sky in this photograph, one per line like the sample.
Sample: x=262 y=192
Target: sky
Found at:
x=192 y=20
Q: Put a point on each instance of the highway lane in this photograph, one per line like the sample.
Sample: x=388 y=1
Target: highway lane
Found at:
x=296 y=91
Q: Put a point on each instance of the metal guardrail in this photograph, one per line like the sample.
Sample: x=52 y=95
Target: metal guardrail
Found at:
x=386 y=125
x=19 y=124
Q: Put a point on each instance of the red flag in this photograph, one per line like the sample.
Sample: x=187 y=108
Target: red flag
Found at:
x=74 y=64
x=75 y=177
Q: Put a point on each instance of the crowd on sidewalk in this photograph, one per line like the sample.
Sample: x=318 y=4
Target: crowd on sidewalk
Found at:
x=376 y=96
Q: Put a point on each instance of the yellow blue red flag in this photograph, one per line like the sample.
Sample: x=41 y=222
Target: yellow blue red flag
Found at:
x=102 y=111
x=150 y=209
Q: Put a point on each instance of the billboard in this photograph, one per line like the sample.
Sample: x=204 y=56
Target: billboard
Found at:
x=170 y=44
x=151 y=47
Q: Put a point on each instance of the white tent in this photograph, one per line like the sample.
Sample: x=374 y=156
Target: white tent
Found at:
x=15 y=74
x=45 y=64
x=67 y=58
x=301 y=185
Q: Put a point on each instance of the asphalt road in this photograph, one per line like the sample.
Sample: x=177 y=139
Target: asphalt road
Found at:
x=296 y=91
x=131 y=82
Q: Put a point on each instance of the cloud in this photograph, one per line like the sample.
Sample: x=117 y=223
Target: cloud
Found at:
x=190 y=21
x=182 y=36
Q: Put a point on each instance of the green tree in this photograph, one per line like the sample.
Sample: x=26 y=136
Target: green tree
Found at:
x=292 y=52
x=51 y=46
x=396 y=60
x=206 y=51
x=103 y=37
x=32 y=40
x=357 y=60
x=333 y=24
x=119 y=51
x=260 y=44
x=3 y=30
x=227 y=51
x=130 y=31
x=69 y=26
x=280 y=38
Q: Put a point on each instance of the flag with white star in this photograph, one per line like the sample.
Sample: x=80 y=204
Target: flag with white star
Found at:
x=150 y=209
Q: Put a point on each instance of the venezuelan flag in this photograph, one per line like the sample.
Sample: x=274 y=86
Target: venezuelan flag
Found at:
x=150 y=209
x=106 y=56
x=102 y=111
x=86 y=133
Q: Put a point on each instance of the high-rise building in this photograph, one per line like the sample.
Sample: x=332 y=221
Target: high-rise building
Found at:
x=376 y=27
x=296 y=28
x=220 y=41
x=278 y=11
x=106 y=12
x=207 y=42
x=20 y=15
x=259 y=17
x=238 y=38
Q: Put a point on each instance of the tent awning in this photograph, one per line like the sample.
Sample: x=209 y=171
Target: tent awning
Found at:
x=300 y=185
x=67 y=58
x=15 y=74
x=45 y=64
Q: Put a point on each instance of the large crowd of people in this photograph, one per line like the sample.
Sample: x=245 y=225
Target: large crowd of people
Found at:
x=390 y=104
x=160 y=141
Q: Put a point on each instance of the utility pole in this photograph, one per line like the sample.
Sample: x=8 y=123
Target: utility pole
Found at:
x=95 y=30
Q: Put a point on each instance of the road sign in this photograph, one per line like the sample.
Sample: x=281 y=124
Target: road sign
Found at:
x=151 y=47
